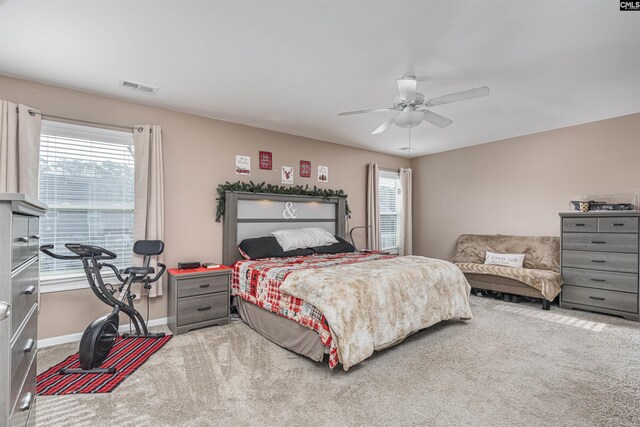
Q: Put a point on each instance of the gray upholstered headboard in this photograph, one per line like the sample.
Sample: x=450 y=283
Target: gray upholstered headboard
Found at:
x=254 y=215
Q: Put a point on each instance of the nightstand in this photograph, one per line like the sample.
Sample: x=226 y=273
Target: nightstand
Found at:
x=198 y=298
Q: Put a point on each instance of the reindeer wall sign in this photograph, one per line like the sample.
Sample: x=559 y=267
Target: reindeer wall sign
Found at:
x=287 y=175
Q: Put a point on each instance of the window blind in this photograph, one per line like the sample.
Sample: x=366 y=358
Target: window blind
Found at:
x=87 y=180
x=389 y=191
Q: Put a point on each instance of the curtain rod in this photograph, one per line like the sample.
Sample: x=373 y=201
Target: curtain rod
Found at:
x=51 y=116
x=388 y=169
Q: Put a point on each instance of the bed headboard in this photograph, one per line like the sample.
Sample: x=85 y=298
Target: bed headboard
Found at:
x=249 y=215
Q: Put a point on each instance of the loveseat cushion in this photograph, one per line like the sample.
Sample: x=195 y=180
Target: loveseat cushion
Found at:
x=541 y=252
x=546 y=281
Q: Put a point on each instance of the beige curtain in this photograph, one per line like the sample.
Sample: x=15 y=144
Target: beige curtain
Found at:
x=373 y=207
x=149 y=192
x=19 y=148
x=406 y=242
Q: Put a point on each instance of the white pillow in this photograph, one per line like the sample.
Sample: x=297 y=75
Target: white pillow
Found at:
x=508 y=260
x=310 y=237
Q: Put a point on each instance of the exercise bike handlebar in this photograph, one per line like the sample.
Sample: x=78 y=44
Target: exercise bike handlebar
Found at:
x=80 y=251
x=160 y=273
x=115 y=271
x=123 y=279
x=47 y=250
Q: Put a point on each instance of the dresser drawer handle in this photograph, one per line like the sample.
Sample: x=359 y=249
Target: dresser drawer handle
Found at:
x=23 y=239
x=204 y=308
x=29 y=346
x=597 y=298
x=26 y=403
x=597 y=242
x=617 y=224
x=597 y=280
x=579 y=225
x=204 y=285
x=598 y=260
x=30 y=290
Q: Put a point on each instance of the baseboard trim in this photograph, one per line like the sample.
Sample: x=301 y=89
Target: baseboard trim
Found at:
x=64 y=339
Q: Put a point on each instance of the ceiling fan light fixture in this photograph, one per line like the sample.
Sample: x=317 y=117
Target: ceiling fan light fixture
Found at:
x=409 y=119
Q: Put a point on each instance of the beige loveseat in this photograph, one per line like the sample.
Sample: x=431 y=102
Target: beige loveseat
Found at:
x=539 y=278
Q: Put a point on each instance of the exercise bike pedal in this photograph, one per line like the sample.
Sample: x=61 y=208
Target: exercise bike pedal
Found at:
x=66 y=371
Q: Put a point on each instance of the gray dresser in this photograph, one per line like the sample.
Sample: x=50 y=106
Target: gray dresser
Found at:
x=198 y=298
x=600 y=262
x=19 y=277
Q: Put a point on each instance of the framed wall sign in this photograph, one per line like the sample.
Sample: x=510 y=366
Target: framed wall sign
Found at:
x=265 y=159
x=323 y=173
x=243 y=165
x=287 y=174
x=305 y=169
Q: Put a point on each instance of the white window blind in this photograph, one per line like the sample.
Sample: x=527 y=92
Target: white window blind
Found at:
x=86 y=179
x=389 y=192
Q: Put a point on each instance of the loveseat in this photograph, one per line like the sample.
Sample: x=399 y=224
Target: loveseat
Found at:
x=538 y=278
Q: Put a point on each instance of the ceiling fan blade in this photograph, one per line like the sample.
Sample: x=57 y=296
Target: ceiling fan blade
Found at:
x=407 y=87
x=458 y=96
x=436 y=119
x=383 y=126
x=373 y=110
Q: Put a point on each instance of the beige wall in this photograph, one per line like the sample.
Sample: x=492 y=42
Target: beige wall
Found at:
x=199 y=155
x=518 y=185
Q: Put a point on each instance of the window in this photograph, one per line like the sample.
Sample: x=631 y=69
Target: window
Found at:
x=86 y=179
x=390 y=206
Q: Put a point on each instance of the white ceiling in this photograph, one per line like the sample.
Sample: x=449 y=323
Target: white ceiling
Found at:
x=292 y=66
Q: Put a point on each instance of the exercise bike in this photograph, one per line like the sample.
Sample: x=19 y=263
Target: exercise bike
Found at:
x=100 y=336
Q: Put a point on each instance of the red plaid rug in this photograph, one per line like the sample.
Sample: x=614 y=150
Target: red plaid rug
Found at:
x=127 y=355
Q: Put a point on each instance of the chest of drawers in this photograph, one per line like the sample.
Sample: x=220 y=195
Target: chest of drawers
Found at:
x=198 y=298
x=19 y=282
x=600 y=262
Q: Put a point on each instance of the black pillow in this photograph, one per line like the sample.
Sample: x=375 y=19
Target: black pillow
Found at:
x=268 y=247
x=337 y=248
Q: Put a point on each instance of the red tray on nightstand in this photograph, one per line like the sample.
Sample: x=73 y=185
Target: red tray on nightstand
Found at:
x=197 y=270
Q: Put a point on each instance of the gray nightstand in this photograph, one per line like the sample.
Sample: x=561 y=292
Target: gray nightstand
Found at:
x=198 y=298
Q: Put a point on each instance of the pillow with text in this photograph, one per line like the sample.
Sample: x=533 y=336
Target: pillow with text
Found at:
x=507 y=260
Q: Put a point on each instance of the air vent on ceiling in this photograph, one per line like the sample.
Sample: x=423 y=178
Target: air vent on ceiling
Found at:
x=151 y=90
x=409 y=149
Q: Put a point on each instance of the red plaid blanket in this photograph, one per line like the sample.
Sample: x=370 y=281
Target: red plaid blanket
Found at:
x=258 y=282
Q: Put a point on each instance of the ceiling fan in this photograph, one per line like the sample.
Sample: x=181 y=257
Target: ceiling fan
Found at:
x=413 y=108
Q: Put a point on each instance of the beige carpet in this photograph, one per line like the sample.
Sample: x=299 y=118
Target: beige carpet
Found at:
x=512 y=365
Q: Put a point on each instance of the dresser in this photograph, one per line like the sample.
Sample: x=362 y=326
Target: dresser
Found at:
x=600 y=262
x=198 y=298
x=19 y=277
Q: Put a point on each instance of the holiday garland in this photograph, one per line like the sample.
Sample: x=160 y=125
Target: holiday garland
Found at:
x=263 y=187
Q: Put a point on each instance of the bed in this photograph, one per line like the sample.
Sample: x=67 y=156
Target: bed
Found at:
x=346 y=305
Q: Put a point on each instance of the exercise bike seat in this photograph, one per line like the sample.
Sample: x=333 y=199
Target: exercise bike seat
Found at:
x=139 y=271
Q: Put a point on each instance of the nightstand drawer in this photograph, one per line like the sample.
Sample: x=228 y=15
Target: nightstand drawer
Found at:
x=623 y=282
x=202 y=285
x=624 y=263
x=580 y=225
x=602 y=242
x=202 y=308
x=618 y=224
x=599 y=298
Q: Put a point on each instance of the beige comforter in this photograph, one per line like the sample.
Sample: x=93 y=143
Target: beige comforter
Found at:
x=372 y=305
